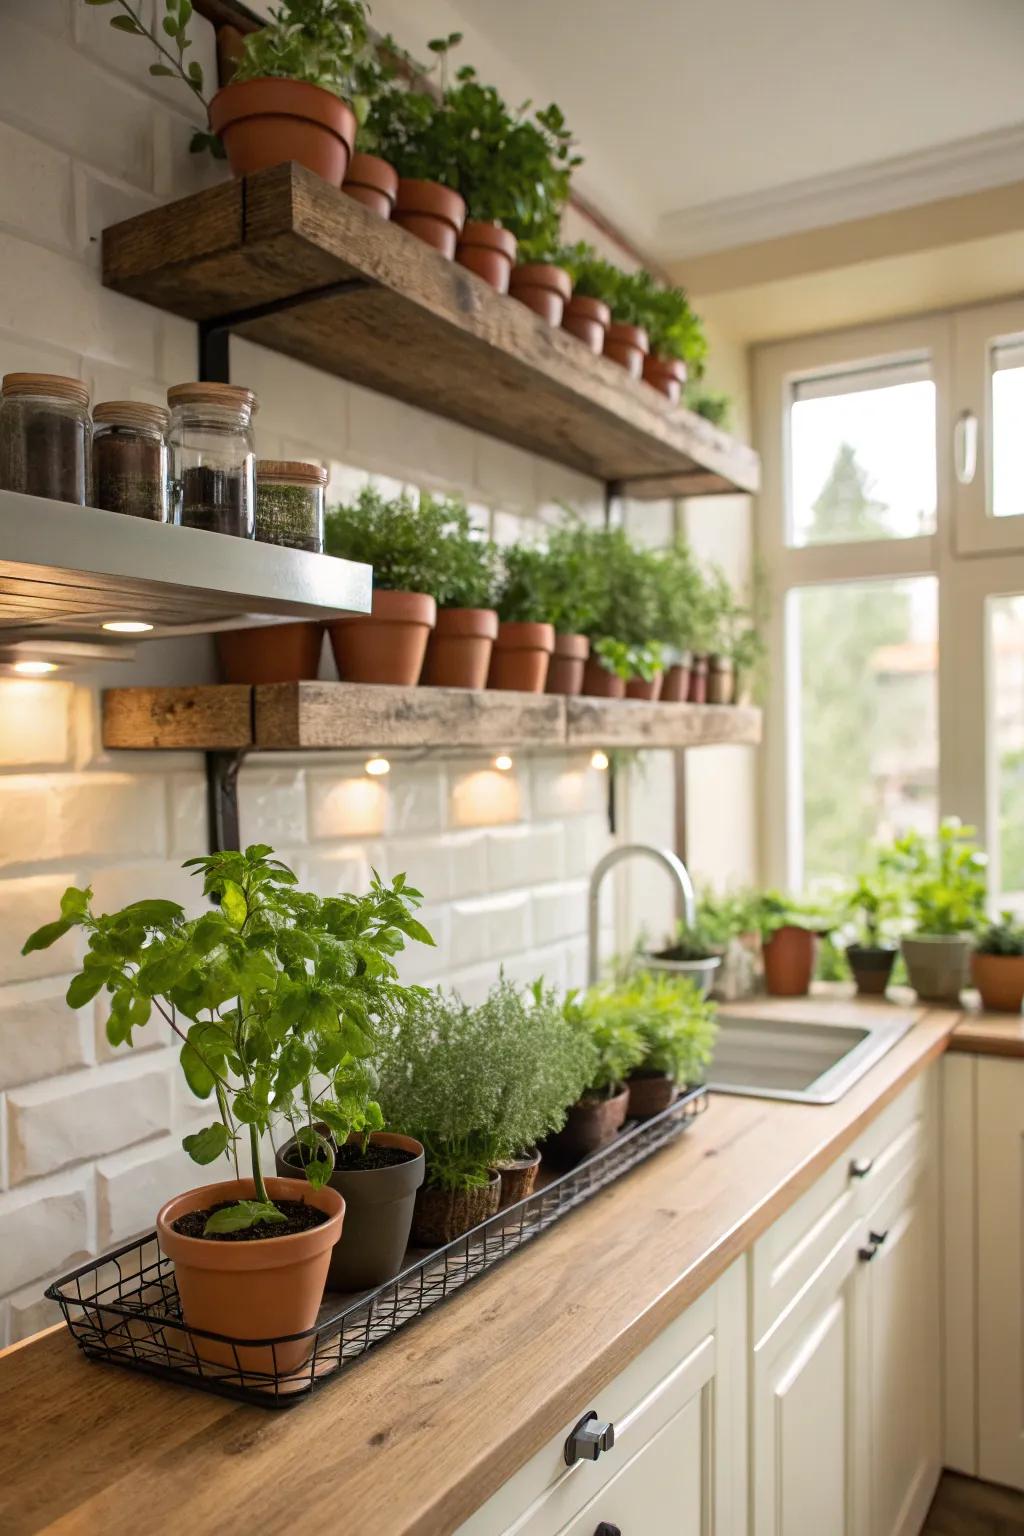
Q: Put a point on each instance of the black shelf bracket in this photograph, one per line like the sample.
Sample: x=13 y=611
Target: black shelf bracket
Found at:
x=215 y=333
x=222 y=799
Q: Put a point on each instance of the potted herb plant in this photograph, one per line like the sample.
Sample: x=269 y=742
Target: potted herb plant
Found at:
x=370 y=179
x=874 y=904
x=677 y=1026
x=945 y=880
x=695 y=955
x=526 y=636
x=997 y=964
x=461 y=642
x=727 y=924
x=789 y=931
x=595 y=284
x=681 y=598
x=276 y=996
x=678 y=346
x=567 y=572
x=624 y=619
x=613 y=1047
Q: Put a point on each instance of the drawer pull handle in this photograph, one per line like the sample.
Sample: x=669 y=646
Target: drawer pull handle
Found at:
x=607 y=1529
x=875 y=1241
x=590 y=1437
x=878 y=1238
x=867 y=1254
x=861 y=1167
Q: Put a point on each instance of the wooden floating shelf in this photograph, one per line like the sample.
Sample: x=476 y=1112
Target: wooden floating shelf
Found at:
x=288 y=261
x=290 y=717
x=66 y=569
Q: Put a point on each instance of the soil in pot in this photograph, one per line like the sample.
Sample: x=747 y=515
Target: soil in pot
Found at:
x=588 y=320
x=257 y=1289
x=565 y=671
x=388 y=644
x=599 y=683
x=298 y=1217
x=627 y=345
x=459 y=648
x=698 y=692
x=938 y=966
x=649 y=1094
x=871 y=967
x=519 y=661
x=433 y=213
x=489 y=251
x=590 y=1125
x=644 y=688
x=269 y=122
x=270 y=653
x=789 y=958
x=675 y=688
x=518 y=1176
x=372 y=182
x=665 y=374
x=442 y=1215
x=543 y=288
x=1000 y=980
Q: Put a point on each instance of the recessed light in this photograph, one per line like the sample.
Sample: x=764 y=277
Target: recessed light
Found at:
x=127 y=627
x=503 y=762
x=376 y=766
x=33 y=668
x=599 y=760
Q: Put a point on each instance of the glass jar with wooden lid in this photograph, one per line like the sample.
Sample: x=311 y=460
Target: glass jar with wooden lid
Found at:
x=45 y=436
x=129 y=459
x=290 y=503
x=213 y=457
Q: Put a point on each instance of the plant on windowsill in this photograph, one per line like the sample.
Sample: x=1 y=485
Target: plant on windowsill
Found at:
x=997 y=964
x=790 y=931
x=874 y=905
x=278 y=997
x=945 y=883
x=695 y=954
x=677 y=1026
x=615 y=1048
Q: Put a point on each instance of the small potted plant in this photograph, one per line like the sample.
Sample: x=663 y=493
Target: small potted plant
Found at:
x=681 y=599
x=613 y=1048
x=997 y=965
x=678 y=346
x=694 y=955
x=727 y=925
x=371 y=179
x=461 y=642
x=677 y=1027
x=945 y=881
x=874 y=905
x=567 y=572
x=595 y=285
x=526 y=636
x=624 y=595
x=271 y=989
x=789 y=931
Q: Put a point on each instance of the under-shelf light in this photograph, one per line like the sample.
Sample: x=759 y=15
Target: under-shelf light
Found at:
x=34 y=668
x=127 y=627
x=376 y=766
x=503 y=762
x=599 y=760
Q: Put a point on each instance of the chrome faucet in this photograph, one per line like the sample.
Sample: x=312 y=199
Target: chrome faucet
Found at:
x=663 y=856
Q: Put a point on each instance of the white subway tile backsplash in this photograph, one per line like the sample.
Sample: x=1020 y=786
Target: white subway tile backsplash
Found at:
x=47 y=818
x=489 y=928
x=347 y=803
x=483 y=796
x=84 y=1115
x=272 y=800
x=528 y=853
x=44 y=1229
x=36 y=189
x=131 y=1187
x=559 y=911
x=25 y=905
x=35 y=723
x=567 y=786
x=40 y=1036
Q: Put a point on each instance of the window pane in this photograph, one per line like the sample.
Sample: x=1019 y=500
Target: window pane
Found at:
x=868 y=654
x=863 y=457
x=1006 y=634
x=1008 y=431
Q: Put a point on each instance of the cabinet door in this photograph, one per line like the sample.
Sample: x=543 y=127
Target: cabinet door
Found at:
x=1001 y=1272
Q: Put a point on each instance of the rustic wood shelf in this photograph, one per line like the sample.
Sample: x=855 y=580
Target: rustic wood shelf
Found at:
x=290 y=717
x=288 y=261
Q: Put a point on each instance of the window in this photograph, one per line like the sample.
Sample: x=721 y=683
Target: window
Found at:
x=1008 y=431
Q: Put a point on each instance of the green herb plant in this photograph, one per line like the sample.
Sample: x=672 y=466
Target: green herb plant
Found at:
x=525 y=593
x=772 y=910
x=713 y=404
x=1003 y=937
x=676 y=1024
x=945 y=878
x=425 y=546
x=874 y=903
x=278 y=997
x=593 y=277
x=665 y=314
x=616 y=1046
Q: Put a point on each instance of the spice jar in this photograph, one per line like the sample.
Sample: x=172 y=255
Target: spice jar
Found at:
x=721 y=680
x=45 y=436
x=129 y=459
x=290 y=504
x=213 y=457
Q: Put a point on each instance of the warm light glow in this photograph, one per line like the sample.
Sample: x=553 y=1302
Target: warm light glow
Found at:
x=33 y=668
x=503 y=762
x=599 y=760
x=127 y=627
x=375 y=766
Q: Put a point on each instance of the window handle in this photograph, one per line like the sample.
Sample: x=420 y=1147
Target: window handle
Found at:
x=965 y=446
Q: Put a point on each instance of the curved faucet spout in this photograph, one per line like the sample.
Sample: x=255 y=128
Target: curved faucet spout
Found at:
x=663 y=856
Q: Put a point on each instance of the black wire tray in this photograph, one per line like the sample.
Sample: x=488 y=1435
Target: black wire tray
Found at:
x=123 y=1308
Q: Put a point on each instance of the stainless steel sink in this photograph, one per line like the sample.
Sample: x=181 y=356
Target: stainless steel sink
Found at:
x=812 y=1053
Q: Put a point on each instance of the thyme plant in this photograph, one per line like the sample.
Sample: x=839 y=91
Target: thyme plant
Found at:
x=427 y=545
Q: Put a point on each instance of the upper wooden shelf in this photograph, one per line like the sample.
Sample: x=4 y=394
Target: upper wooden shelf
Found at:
x=288 y=261
x=289 y=717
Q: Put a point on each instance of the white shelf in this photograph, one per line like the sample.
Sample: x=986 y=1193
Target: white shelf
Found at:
x=65 y=570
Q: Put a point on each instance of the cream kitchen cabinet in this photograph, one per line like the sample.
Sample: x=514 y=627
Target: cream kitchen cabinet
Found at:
x=999 y=1087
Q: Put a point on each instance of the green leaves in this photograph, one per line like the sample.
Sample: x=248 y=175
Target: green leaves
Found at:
x=84 y=987
x=238 y=1218
x=207 y=1145
x=48 y=934
x=233 y=904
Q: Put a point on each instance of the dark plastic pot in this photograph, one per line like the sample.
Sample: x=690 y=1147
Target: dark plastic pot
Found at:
x=433 y=213
x=588 y=320
x=518 y=1176
x=675 y=688
x=388 y=644
x=591 y=1124
x=627 y=345
x=938 y=966
x=442 y=1215
x=698 y=691
x=378 y=1212
x=372 y=182
x=567 y=665
x=665 y=374
x=519 y=661
x=871 y=967
x=599 y=683
x=459 y=648
x=543 y=288
x=789 y=957
x=269 y=122
x=489 y=251
x=270 y=653
x=649 y=1094
x=644 y=688
x=1000 y=980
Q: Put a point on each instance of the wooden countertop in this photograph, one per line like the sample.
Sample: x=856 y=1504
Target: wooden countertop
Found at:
x=416 y=1435
x=989 y=1034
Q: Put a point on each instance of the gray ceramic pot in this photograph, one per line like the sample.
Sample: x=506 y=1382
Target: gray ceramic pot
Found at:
x=938 y=966
x=700 y=971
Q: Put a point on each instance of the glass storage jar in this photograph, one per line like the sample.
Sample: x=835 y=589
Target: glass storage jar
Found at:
x=290 y=504
x=129 y=459
x=213 y=457
x=45 y=436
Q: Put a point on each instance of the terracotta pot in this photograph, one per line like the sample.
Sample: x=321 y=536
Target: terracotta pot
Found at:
x=459 y=648
x=588 y=319
x=1000 y=980
x=789 y=958
x=388 y=644
x=264 y=1289
x=434 y=214
x=543 y=288
x=269 y=122
x=871 y=967
x=565 y=673
x=650 y=1095
x=721 y=687
x=489 y=251
x=599 y=683
x=270 y=653
x=627 y=345
x=698 y=693
x=518 y=1176
x=520 y=657
x=938 y=966
x=442 y=1215
x=378 y=1212
x=675 y=687
x=591 y=1124
x=665 y=374
x=372 y=182
x=641 y=688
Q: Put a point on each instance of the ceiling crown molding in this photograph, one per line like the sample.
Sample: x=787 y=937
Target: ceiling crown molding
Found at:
x=948 y=170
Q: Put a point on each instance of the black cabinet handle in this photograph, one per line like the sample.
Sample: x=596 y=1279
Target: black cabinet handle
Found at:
x=590 y=1437
x=878 y=1238
x=606 y=1529
x=867 y=1254
x=860 y=1167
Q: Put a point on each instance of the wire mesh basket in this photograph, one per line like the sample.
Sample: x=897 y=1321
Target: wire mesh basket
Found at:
x=124 y=1307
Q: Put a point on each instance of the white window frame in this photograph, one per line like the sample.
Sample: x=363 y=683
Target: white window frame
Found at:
x=977 y=332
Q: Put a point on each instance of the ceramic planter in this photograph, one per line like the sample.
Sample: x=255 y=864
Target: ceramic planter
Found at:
x=518 y=1176
x=378 y=1212
x=565 y=672
x=675 y=688
x=587 y=319
x=789 y=957
x=372 y=182
x=591 y=1124
x=701 y=972
x=938 y=966
x=434 y=214
x=649 y=1094
x=519 y=661
x=489 y=251
x=698 y=691
x=442 y=1215
x=871 y=967
x=388 y=644
x=665 y=374
x=263 y=1289
x=1000 y=980
x=599 y=683
x=270 y=653
x=644 y=688
x=627 y=345
x=459 y=648
x=269 y=122
x=543 y=288
x=721 y=687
